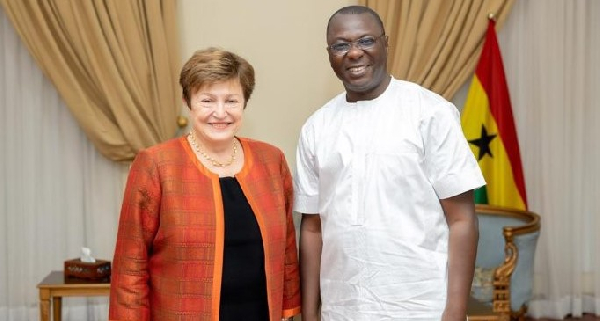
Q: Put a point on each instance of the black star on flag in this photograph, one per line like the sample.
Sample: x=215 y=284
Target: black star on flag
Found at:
x=483 y=143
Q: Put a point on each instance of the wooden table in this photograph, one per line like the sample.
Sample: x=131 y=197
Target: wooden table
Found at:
x=54 y=287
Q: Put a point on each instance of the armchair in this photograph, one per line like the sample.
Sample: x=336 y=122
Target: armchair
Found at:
x=504 y=263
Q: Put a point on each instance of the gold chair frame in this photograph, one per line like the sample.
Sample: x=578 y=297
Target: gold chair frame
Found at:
x=501 y=305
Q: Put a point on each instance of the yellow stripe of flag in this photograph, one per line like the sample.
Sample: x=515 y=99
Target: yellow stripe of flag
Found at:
x=488 y=125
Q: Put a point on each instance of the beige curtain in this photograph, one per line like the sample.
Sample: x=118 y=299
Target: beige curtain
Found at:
x=436 y=43
x=114 y=62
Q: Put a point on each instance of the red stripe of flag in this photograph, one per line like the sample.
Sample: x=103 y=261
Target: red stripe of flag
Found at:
x=490 y=72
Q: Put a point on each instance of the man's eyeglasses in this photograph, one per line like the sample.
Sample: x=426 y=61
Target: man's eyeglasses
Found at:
x=364 y=43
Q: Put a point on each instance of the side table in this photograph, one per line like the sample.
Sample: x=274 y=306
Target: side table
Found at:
x=53 y=288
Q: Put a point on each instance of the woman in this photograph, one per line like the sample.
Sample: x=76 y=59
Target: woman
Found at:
x=206 y=230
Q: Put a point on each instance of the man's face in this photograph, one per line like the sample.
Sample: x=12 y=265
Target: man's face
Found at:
x=362 y=71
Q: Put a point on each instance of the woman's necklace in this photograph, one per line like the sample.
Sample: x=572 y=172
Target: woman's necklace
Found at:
x=213 y=161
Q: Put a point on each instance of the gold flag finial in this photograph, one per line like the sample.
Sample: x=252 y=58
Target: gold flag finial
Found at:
x=182 y=121
x=492 y=16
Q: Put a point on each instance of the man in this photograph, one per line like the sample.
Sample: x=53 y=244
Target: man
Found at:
x=385 y=183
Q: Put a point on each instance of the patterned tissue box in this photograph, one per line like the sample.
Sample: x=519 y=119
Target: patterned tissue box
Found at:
x=98 y=271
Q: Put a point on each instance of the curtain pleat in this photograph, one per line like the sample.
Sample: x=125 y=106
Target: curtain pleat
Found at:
x=550 y=50
x=57 y=192
x=115 y=63
x=436 y=43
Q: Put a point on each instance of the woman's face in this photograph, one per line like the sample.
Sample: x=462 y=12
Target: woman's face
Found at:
x=216 y=111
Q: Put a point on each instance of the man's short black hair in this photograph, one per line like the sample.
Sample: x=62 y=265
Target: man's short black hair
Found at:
x=356 y=10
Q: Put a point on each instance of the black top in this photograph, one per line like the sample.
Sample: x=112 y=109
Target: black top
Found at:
x=243 y=287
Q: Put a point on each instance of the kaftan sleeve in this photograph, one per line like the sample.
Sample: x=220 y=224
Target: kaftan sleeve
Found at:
x=138 y=224
x=291 y=290
x=449 y=163
x=306 y=180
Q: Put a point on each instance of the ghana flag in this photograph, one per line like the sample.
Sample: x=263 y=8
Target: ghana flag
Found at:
x=488 y=125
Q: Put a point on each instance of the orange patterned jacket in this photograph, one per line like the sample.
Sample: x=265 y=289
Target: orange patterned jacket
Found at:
x=169 y=252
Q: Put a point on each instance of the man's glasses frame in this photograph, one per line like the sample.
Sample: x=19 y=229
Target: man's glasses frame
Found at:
x=362 y=43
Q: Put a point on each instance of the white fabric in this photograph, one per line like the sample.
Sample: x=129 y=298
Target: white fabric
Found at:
x=375 y=171
x=57 y=193
x=551 y=52
x=554 y=78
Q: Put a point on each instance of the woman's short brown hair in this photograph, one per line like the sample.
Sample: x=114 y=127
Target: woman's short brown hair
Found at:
x=213 y=65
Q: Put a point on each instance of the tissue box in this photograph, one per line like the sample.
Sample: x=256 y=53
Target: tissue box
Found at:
x=88 y=271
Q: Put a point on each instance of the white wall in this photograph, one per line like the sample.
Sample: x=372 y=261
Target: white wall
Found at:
x=285 y=42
